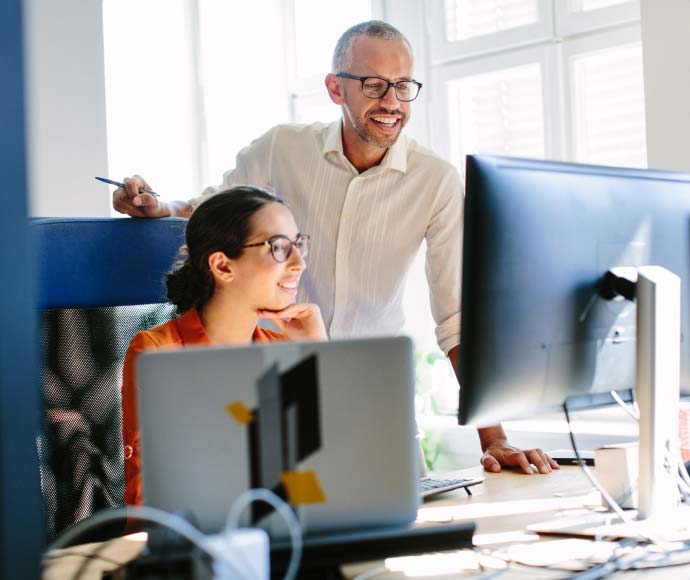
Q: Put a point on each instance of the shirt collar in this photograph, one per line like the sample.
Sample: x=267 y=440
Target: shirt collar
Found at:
x=190 y=328
x=395 y=158
x=192 y=331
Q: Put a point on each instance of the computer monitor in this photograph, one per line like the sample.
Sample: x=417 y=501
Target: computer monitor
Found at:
x=539 y=236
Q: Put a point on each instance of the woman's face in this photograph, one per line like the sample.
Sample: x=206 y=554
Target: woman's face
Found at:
x=258 y=278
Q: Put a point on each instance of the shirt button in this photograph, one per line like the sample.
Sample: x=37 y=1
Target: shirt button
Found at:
x=129 y=451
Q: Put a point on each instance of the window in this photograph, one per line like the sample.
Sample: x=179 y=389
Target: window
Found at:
x=204 y=79
x=498 y=112
x=608 y=98
x=550 y=79
x=313 y=27
x=151 y=94
x=240 y=98
x=468 y=18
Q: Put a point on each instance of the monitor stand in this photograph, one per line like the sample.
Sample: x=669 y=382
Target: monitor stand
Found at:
x=657 y=390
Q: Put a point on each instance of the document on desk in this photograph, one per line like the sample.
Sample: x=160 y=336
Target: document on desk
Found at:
x=608 y=525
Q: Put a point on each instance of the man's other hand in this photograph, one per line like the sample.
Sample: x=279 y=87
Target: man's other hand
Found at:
x=501 y=454
x=130 y=201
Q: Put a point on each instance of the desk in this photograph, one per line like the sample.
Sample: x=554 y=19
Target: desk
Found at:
x=501 y=508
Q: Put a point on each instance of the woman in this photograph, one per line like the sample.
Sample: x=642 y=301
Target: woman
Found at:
x=243 y=260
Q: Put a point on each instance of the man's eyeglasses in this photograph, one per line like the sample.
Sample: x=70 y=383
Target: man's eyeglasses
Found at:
x=281 y=246
x=377 y=88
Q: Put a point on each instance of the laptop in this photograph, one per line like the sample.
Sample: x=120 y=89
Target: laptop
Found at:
x=329 y=426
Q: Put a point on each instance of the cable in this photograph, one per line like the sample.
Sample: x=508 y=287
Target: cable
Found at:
x=146 y=514
x=634 y=412
x=95 y=555
x=88 y=556
x=294 y=527
x=593 y=480
x=683 y=479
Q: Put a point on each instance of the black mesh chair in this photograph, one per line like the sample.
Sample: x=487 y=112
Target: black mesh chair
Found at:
x=99 y=282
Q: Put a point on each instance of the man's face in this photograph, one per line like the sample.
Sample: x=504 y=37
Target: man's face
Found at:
x=377 y=122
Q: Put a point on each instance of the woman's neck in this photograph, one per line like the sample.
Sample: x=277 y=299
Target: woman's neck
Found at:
x=225 y=322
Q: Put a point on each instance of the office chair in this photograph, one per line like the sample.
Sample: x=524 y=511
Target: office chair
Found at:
x=99 y=282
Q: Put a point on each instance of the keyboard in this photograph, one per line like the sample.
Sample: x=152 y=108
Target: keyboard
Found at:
x=433 y=485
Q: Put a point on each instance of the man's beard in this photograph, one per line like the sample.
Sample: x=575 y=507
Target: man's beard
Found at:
x=381 y=141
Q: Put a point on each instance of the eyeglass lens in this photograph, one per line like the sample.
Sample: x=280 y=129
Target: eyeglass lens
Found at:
x=376 y=88
x=281 y=248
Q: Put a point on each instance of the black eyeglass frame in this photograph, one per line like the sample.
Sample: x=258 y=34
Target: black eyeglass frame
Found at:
x=293 y=243
x=389 y=84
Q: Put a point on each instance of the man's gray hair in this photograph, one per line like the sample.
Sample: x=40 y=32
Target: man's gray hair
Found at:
x=376 y=28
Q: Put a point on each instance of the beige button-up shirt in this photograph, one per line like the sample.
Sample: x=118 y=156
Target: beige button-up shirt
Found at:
x=366 y=227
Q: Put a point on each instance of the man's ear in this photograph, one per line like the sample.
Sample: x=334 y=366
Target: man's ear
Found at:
x=221 y=267
x=335 y=89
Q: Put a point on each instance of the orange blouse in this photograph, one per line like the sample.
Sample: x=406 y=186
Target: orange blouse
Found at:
x=185 y=330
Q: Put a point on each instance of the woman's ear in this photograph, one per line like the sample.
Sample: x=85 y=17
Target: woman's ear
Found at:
x=221 y=267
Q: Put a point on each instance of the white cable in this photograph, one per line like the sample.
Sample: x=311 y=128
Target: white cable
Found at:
x=612 y=503
x=634 y=412
x=682 y=475
x=294 y=527
x=145 y=514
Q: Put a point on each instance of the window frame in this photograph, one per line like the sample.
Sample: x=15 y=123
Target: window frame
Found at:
x=443 y=51
x=300 y=87
x=563 y=34
x=570 y=23
x=542 y=54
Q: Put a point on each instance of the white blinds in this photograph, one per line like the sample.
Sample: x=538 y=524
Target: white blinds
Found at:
x=500 y=113
x=468 y=18
x=609 y=112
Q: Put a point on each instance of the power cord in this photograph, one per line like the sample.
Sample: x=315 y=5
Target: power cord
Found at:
x=294 y=528
x=612 y=503
x=223 y=566
x=143 y=513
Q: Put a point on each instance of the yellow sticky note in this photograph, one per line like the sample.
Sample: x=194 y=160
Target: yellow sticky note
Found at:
x=302 y=487
x=240 y=412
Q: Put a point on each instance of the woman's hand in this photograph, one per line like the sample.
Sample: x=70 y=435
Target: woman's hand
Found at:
x=298 y=321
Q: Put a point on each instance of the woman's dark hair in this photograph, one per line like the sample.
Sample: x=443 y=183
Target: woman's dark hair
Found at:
x=219 y=224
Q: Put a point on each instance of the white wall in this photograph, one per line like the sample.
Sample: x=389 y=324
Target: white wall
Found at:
x=666 y=46
x=65 y=96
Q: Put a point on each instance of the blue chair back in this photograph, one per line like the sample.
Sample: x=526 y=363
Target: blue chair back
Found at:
x=100 y=280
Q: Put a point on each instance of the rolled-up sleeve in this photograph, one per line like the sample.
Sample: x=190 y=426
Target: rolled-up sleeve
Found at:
x=444 y=261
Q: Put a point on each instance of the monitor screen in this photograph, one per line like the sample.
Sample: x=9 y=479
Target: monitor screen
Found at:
x=538 y=238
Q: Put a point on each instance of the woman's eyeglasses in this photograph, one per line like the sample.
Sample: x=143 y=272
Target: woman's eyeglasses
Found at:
x=281 y=246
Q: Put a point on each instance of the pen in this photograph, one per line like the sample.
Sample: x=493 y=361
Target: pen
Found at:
x=111 y=182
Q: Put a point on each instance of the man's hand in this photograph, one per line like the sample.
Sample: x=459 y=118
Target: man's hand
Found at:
x=129 y=200
x=497 y=451
x=298 y=321
x=500 y=453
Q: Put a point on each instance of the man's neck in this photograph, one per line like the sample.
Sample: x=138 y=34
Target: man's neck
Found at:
x=361 y=154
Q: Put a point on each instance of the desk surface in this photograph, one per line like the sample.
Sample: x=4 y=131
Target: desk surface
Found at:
x=501 y=508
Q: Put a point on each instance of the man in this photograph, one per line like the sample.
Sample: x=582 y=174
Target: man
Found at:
x=369 y=197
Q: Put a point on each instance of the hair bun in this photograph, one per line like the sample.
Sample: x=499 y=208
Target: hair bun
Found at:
x=186 y=285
